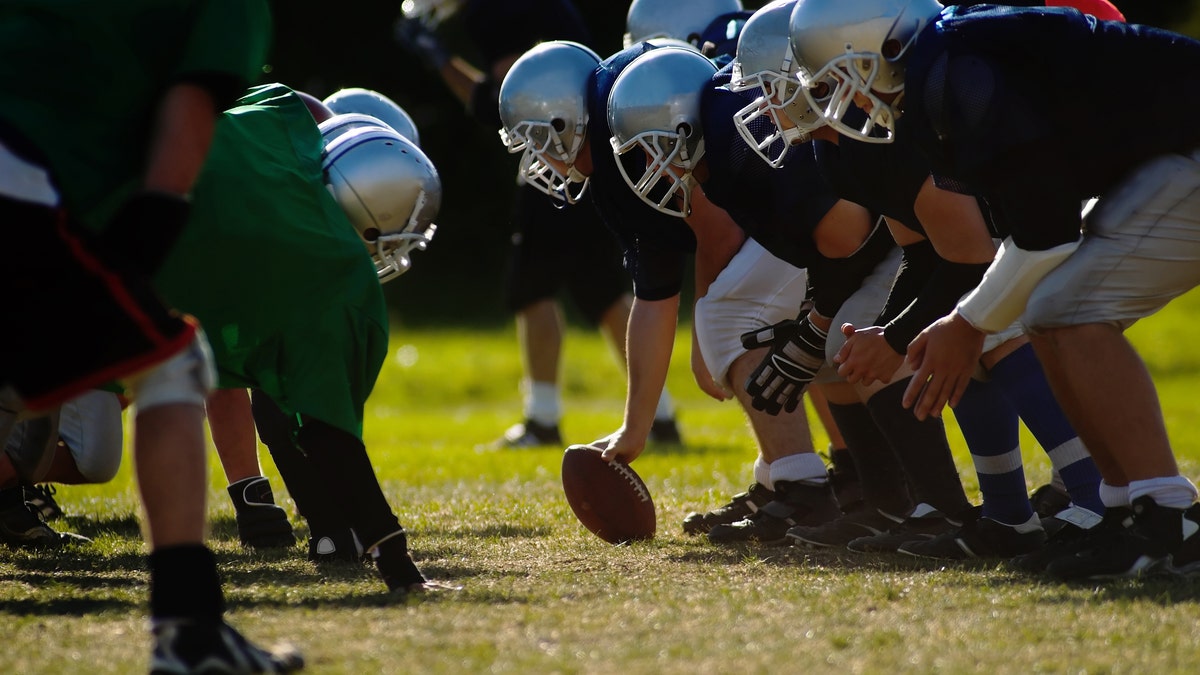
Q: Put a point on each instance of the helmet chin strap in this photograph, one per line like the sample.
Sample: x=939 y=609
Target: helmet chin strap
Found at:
x=574 y=175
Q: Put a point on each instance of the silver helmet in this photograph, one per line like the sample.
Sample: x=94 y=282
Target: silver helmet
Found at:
x=543 y=107
x=862 y=46
x=375 y=104
x=387 y=187
x=781 y=116
x=654 y=106
x=679 y=19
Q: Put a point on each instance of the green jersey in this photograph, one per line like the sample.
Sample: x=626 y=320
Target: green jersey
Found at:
x=81 y=79
x=278 y=277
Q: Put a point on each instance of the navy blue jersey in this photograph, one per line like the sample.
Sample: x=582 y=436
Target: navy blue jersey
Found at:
x=655 y=245
x=503 y=28
x=722 y=33
x=883 y=177
x=779 y=208
x=1038 y=109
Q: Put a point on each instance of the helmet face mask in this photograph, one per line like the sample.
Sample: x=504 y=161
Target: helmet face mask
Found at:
x=860 y=47
x=543 y=151
x=669 y=165
x=543 y=109
x=781 y=116
x=654 y=107
x=388 y=189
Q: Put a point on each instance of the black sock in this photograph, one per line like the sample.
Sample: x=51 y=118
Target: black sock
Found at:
x=11 y=498
x=922 y=450
x=313 y=496
x=342 y=460
x=184 y=584
x=880 y=474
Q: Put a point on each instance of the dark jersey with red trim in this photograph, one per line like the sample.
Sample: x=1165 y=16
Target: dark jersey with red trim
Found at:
x=1037 y=109
x=655 y=245
x=779 y=208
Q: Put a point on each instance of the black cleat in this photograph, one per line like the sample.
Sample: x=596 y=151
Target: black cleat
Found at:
x=980 y=538
x=260 y=523
x=529 y=434
x=1068 y=532
x=795 y=503
x=665 y=432
x=329 y=547
x=22 y=527
x=742 y=505
x=1048 y=500
x=1147 y=541
x=863 y=522
x=923 y=522
x=184 y=646
x=42 y=497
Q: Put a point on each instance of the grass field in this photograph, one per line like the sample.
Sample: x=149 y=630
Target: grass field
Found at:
x=541 y=595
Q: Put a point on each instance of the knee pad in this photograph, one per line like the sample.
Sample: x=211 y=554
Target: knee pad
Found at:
x=90 y=428
x=186 y=377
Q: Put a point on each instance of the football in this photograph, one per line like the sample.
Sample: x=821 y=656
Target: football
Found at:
x=610 y=499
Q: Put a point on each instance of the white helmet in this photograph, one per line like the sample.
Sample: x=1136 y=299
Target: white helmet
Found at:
x=862 y=46
x=654 y=106
x=375 y=104
x=782 y=115
x=388 y=188
x=543 y=107
x=679 y=19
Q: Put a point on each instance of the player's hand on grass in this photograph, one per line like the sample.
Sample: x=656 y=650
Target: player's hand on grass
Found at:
x=942 y=357
x=796 y=351
x=867 y=357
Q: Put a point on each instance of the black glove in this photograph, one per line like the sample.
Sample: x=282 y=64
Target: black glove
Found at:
x=143 y=232
x=797 y=353
x=418 y=39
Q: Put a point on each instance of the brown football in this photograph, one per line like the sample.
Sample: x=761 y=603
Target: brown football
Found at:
x=610 y=499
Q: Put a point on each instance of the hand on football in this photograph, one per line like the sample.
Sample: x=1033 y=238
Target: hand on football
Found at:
x=621 y=443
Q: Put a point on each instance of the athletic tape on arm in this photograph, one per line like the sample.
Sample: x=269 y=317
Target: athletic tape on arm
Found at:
x=1000 y=298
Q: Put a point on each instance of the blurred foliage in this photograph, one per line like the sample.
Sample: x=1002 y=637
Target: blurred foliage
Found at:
x=321 y=47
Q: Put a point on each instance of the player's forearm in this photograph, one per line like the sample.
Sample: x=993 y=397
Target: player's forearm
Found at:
x=650 y=340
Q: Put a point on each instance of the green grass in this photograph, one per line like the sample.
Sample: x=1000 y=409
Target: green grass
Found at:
x=543 y=595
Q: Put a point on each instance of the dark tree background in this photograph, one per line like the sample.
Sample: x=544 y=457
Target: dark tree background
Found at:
x=323 y=46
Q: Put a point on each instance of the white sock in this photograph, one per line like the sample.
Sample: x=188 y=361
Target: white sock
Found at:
x=805 y=466
x=1172 y=492
x=762 y=473
x=1114 y=495
x=541 y=402
x=666 y=407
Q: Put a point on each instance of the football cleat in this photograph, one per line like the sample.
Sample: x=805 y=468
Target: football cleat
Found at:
x=529 y=434
x=742 y=505
x=185 y=646
x=862 y=522
x=260 y=523
x=42 y=497
x=980 y=538
x=1151 y=538
x=22 y=527
x=665 y=432
x=795 y=503
x=923 y=522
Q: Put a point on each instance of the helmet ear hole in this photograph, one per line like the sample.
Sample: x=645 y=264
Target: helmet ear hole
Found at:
x=684 y=129
x=559 y=124
x=891 y=49
x=371 y=234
